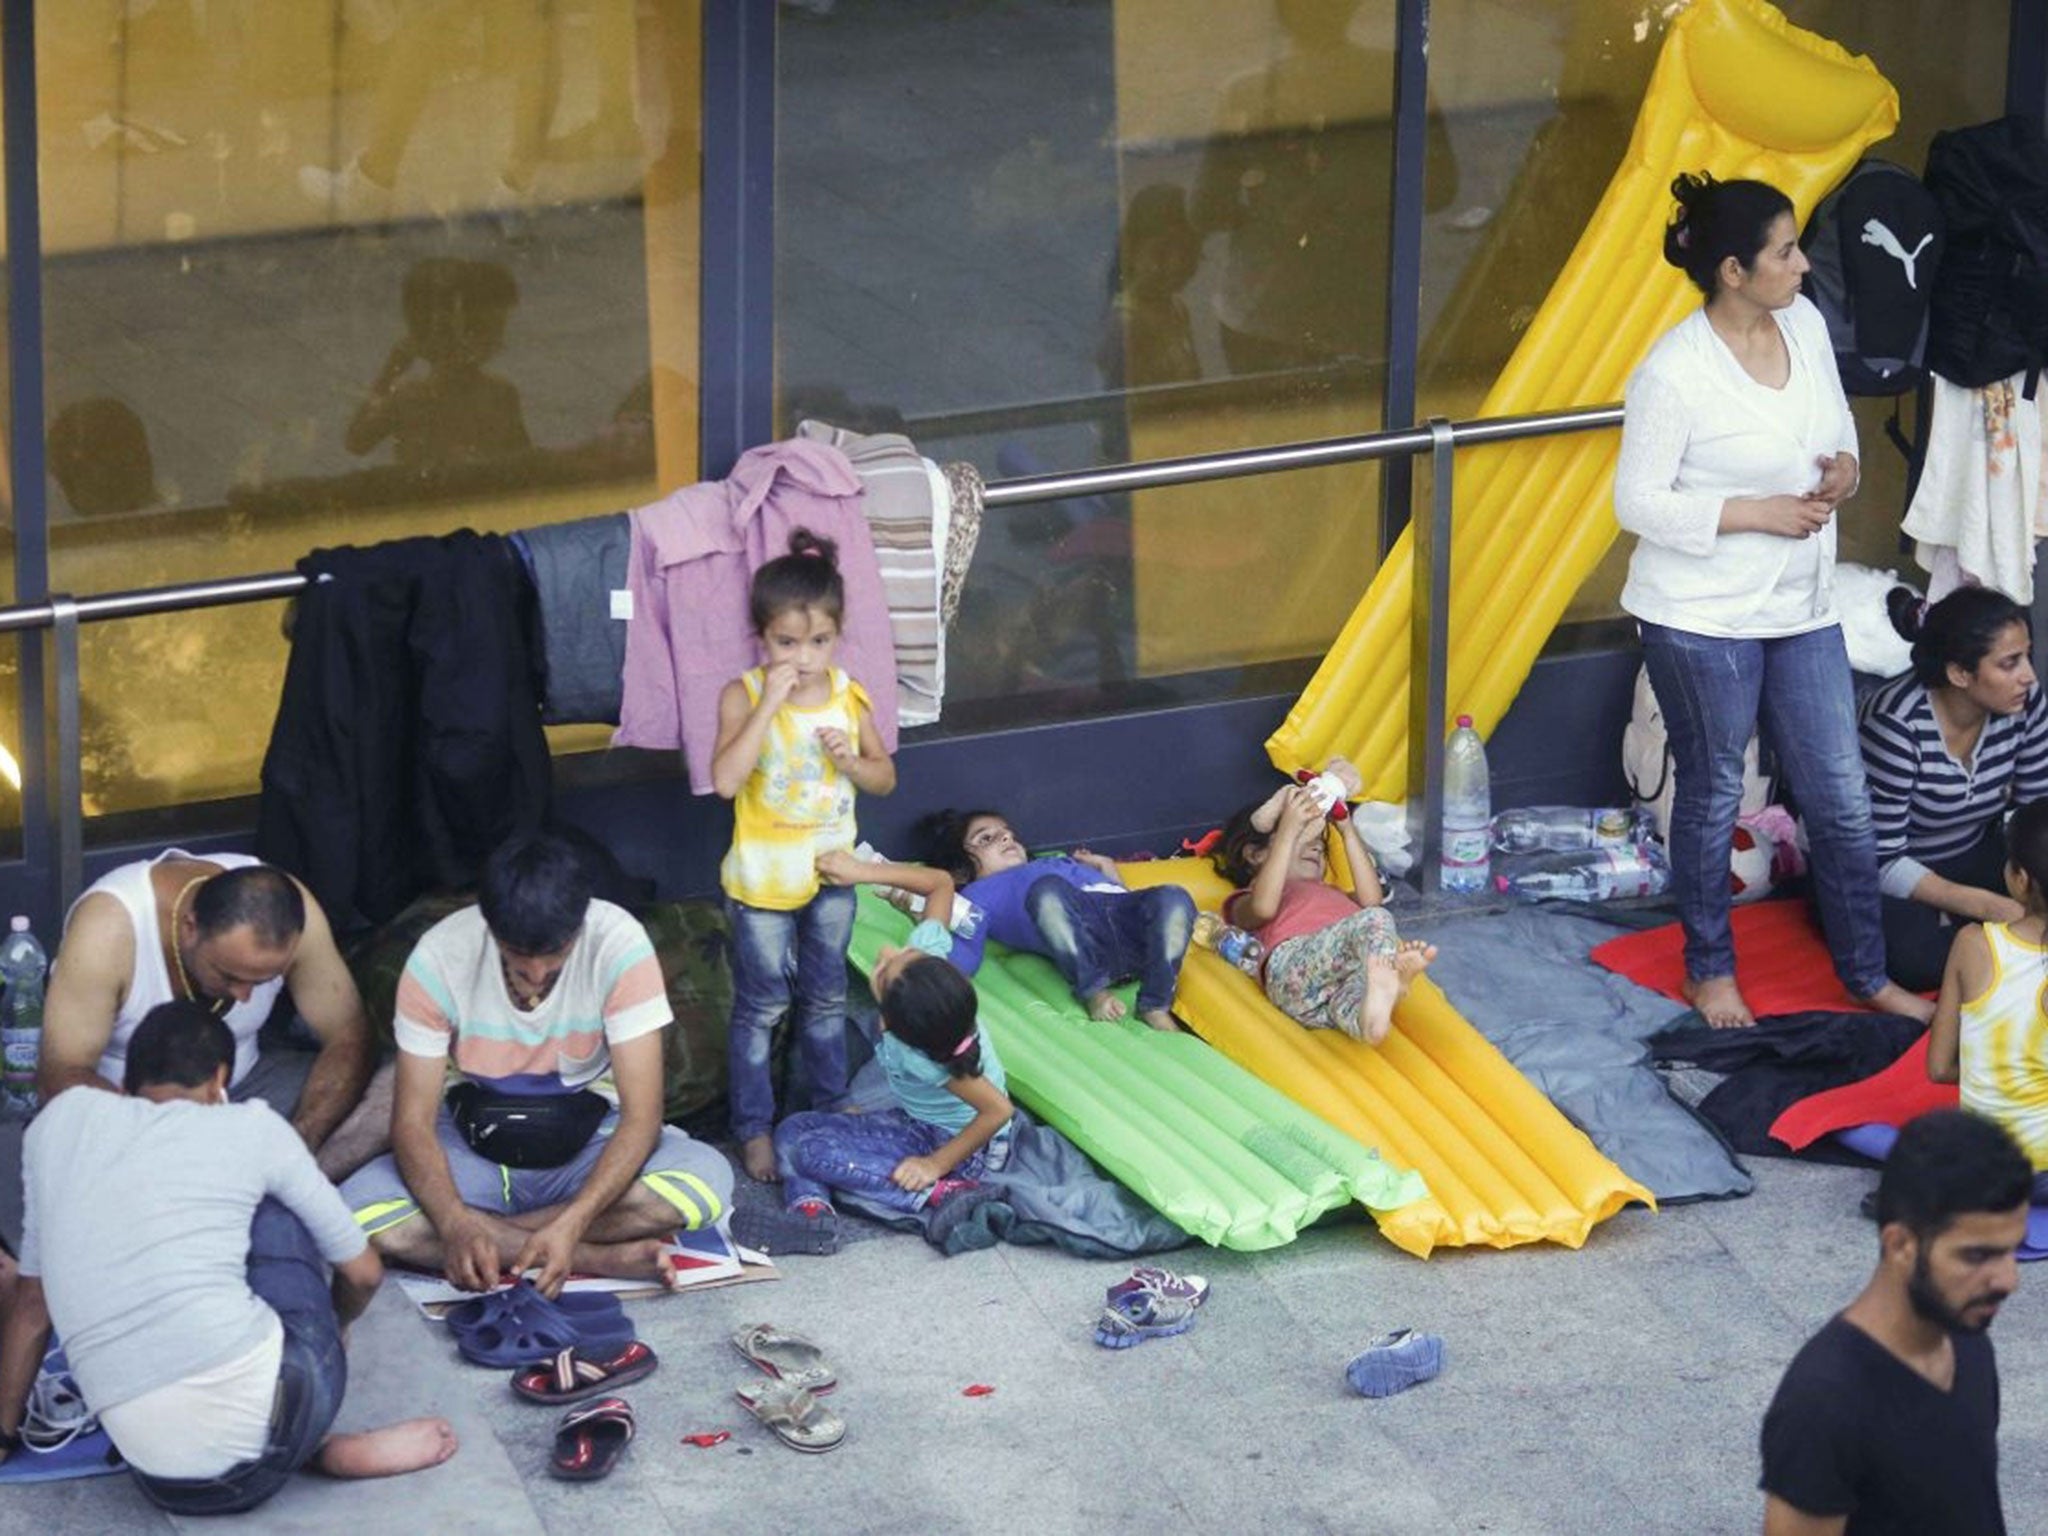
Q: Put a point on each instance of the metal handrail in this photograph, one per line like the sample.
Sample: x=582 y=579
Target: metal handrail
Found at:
x=1429 y=628
x=1153 y=474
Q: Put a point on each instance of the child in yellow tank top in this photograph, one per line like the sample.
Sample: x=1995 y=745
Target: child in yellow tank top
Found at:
x=1990 y=1029
x=796 y=741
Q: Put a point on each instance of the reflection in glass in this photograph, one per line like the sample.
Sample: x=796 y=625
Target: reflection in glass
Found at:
x=1094 y=233
x=340 y=272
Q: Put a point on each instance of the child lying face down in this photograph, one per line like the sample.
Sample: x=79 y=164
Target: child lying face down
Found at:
x=1073 y=909
x=1333 y=959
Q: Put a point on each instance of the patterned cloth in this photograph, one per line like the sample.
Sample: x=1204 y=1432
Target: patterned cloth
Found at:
x=963 y=532
x=902 y=514
x=796 y=804
x=1318 y=979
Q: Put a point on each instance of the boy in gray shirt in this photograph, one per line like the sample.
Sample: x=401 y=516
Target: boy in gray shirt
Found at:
x=181 y=1246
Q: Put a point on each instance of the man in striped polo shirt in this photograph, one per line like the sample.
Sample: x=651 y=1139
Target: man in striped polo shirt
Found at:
x=540 y=1012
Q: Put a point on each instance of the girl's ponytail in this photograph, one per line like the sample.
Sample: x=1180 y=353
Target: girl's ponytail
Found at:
x=806 y=577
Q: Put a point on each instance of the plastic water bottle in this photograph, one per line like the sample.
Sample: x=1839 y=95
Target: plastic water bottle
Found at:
x=22 y=967
x=1594 y=874
x=1241 y=949
x=1468 y=811
x=1569 y=828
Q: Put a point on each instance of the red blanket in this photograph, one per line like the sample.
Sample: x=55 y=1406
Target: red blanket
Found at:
x=1782 y=966
x=1897 y=1094
x=1781 y=961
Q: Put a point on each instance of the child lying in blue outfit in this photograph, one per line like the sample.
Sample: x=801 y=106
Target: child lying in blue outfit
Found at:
x=1072 y=909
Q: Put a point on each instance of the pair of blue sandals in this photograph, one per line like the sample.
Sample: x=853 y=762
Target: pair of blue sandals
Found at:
x=562 y=1351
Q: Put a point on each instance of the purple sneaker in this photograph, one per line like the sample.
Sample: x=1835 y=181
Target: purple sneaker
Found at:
x=1192 y=1289
x=1143 y=1315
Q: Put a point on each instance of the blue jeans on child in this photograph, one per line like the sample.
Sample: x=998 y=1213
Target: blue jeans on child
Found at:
x=1097 y=937
x=817 y=1153
x=287 y=1273
x=779 y=958
x=1713 y=692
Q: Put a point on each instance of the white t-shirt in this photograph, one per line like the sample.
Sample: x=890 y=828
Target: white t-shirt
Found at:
x=1700 y=431
x=136 y=1218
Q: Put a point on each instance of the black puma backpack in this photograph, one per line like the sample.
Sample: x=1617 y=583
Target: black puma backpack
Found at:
x=1875 y=244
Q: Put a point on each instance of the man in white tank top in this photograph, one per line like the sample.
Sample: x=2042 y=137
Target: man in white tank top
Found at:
x=229 y=933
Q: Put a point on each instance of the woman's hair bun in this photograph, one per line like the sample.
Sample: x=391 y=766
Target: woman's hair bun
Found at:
x=1908 y=614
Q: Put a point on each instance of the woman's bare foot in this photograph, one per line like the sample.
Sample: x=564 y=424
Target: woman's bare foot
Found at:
x=1106 y=1006
x=387 y=1452
x=758 y=1153
x=1893 y=998
x=1411 y=960
x=1719 y=1001
x=1383 y=989
x=1162 y=1020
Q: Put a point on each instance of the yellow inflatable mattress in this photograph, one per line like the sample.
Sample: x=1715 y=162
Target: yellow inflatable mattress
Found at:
x=1738 y=91
x=1503 y=1166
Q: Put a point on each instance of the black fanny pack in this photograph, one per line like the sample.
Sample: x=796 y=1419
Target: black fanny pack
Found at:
x=521 y=1130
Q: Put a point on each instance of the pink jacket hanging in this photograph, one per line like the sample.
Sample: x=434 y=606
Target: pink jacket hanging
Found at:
x=694 y=553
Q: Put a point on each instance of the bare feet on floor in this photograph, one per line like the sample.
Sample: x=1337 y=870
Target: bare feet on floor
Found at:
x=1893 y=998
x=758 y=1153
x=1161 y=1019
x=403 y=1447
x=1719 y=1001
x=1106 y=1006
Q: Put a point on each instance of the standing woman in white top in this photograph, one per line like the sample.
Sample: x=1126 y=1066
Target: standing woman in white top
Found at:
x=1736 y=448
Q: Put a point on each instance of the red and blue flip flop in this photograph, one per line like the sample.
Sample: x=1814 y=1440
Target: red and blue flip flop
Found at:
x=591 y=1438
x=575 y=1373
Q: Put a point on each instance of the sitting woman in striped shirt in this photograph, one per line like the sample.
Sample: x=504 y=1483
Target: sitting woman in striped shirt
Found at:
x=1950 y=747
x=1989 y=1032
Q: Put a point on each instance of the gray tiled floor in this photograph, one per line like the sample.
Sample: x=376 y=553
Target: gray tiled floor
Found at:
x=1614 y=1389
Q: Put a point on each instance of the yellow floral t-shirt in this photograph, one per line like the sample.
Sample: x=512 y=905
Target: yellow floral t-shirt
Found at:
x=796 y=804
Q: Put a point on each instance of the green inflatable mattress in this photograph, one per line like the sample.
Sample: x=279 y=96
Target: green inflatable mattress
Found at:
x=1197 y=1137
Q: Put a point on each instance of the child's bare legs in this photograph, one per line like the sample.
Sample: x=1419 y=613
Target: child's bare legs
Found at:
x=1348 y=976
x=407 y=1446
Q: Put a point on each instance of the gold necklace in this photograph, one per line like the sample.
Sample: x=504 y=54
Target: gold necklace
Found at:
x=216 y=1006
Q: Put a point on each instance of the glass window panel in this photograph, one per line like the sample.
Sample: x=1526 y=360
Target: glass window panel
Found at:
x=11 y=733
x=1094 y=233
x=1541 y=95
x=340 y=272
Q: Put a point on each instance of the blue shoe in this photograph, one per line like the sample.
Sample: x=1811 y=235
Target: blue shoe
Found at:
x=1393 y=1362
x=1143 y=1315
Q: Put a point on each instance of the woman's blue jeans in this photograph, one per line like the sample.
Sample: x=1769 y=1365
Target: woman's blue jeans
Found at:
x=1713 y=693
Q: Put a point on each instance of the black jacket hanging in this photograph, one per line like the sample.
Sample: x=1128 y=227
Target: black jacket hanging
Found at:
x=408 y=739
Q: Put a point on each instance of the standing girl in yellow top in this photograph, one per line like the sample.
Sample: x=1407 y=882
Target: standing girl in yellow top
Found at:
x=795 y=741
x=1990 y=1029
